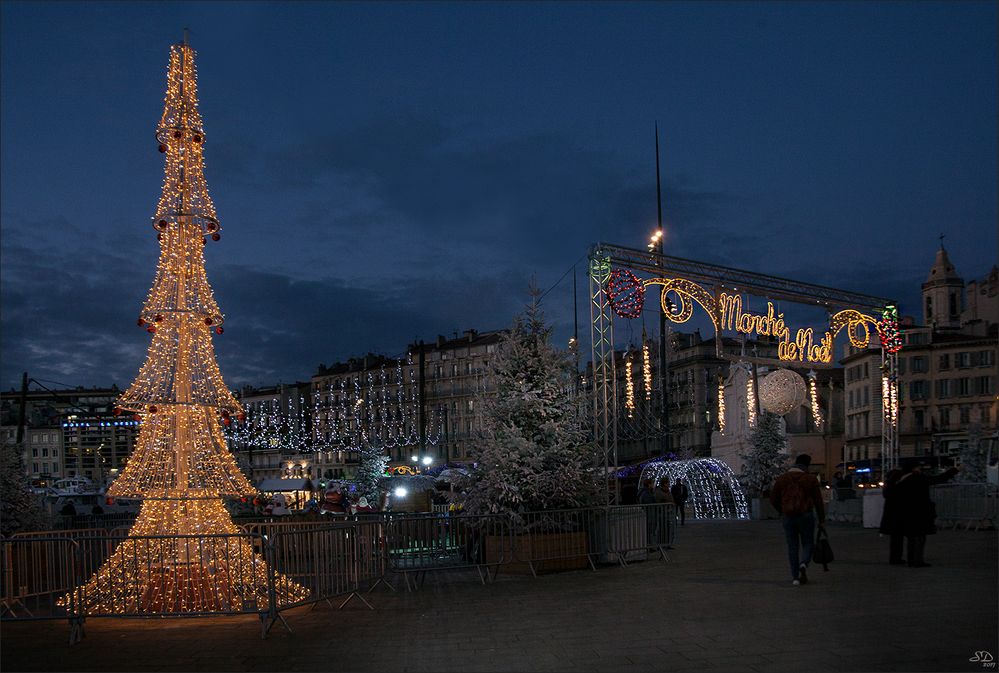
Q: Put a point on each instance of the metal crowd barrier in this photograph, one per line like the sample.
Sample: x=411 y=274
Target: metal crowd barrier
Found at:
x=66 y=574
x=417 y=545
x=970 y=505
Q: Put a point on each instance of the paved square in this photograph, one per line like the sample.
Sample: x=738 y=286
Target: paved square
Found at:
x=724 y=603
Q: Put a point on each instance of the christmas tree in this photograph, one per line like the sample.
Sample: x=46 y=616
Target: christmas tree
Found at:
x=20 y=509
x=533 y=455
x=766 y=460
x=181 y=466
x=370 y=470
x=973 y=460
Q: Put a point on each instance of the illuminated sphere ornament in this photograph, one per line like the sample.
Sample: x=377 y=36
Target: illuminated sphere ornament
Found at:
x=140 y=322
x=208 y=321
x=216 y=237
x=626 y=293
x=600 y=267
x=219 y=330
x=162 y=148
x=240 y=416
x=782 y=391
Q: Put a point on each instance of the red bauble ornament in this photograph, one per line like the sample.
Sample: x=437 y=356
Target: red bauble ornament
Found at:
x=219 y=330
x=241 y=417
x=243 y=499
x=208 y=321
x=159 y=317
x=137 y=417
x=212 y=226
x=116 y=412
x=108 y=501
x=177 y=134
x=162 y=224
x=159 y=237
x=197 y=138
x=204 y=241
x=151 y=329
x=140 y=322
x=227 y=421
x=216 y=237
x=256 y=501
x=162 y=148
x=152 y=408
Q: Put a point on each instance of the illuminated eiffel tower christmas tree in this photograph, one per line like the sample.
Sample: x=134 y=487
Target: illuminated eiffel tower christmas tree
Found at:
x=181 y=467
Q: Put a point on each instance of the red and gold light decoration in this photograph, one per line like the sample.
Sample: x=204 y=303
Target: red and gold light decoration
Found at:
x=181 y=466
x=891 y=336
x=626 y=293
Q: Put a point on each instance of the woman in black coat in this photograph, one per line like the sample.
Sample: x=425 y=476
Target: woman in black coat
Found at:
x=918 y=513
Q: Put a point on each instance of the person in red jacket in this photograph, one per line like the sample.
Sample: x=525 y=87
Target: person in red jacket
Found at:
x=796 y=495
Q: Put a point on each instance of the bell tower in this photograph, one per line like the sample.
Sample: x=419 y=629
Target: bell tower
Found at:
x=943 y=293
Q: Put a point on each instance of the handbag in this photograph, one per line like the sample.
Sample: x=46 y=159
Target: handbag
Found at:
x=823 y=553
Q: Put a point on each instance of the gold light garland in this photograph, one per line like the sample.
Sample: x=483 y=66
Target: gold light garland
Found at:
x=813 y=395
x=629 y=387
x=646 y=370
x=750 y=400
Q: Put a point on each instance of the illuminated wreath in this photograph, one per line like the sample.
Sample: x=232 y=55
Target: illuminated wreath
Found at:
x=626 y=293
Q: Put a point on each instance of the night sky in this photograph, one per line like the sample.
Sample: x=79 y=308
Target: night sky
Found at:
x=390 y=172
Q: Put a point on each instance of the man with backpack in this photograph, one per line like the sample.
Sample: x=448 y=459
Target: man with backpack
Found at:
x=796 y=496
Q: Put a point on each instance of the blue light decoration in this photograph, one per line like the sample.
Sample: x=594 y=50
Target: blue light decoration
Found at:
x=715 y=492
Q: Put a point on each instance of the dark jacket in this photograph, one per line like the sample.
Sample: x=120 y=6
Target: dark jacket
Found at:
x=891 y=516
x=680 y=492
x=645 y=497
x=797 y=492
x=917 y=511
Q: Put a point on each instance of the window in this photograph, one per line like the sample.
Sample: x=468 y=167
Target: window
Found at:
x=918 y=390
x=34 y=454
x=945 y=361
x=953 y=305
x=929 y=309
x=983 y=385
x=867 y=395
x=918 y=420
x=866 y=370
x=964 y=386
x=918 y=364
x=986 y=358
x=965 y=415
x=45 y=452
x=34 y=468
x=943 y=388
x=944 y=418
x=901 y=366
x=963 y=359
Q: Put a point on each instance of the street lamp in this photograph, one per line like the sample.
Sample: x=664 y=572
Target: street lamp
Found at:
x=427 y=460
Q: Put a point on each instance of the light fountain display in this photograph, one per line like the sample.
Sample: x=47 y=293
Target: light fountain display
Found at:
x=715 y=492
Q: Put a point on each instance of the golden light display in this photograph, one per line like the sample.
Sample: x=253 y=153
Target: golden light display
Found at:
x=629 y=387
x=750 y=401
x=646 y=369
x=181 y=466
x=813 y=395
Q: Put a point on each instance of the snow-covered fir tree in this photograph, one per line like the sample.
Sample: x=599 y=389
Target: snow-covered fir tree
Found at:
x=20 y=509
x=534 y=453
x=767 y=459
x=370 y=469
x=973 y=457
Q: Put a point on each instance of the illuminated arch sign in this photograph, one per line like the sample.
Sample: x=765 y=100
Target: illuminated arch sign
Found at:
x=626 y=293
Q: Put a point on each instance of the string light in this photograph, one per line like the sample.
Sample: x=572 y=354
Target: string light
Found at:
x=891 y=336
x=629 y=387
x=181 y=466
x=750 y=400
x=646 y=369
x=813 y=395
x=721 y=405
x=715 y=492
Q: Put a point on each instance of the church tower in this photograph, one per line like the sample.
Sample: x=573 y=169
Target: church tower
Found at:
x=943 y=294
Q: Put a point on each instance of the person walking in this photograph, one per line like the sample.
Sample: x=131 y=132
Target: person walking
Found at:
x=680 y=493
x=662 y=491
x=798 y=499
x=891 y=518
x=918 y=513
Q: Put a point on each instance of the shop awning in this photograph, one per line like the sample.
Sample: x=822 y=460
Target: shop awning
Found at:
x=285 y=485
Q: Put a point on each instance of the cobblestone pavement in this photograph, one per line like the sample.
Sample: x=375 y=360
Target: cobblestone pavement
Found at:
x=723 y=603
